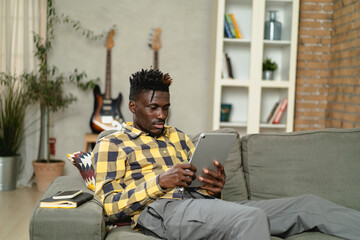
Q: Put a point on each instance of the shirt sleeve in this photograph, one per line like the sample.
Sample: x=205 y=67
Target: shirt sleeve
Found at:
x=190 y=146
x=120 y=201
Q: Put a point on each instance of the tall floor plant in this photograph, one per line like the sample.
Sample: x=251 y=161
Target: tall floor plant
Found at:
x=46 y=86
x=13 y=104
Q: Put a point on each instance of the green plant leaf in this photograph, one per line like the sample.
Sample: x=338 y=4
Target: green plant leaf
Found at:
x=13 y=105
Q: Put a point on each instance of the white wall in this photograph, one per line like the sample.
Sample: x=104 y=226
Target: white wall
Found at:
x=184 y=54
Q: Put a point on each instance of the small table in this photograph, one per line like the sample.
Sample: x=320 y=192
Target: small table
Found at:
x=88 y=139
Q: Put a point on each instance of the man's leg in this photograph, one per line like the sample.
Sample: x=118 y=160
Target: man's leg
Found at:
x=203 y=219
x=288 y=216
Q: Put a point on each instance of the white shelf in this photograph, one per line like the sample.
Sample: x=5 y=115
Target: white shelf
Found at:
x=275 y=84
x=251 y=97
x=281 y=43
x=279 y=1
x=234 y=83
x=268 y=125
x=237 y=41
x=233 y=124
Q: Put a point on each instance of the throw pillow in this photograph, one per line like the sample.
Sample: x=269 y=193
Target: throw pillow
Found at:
x=82 y=161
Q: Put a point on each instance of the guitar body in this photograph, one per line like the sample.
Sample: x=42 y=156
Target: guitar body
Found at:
x=106 y=114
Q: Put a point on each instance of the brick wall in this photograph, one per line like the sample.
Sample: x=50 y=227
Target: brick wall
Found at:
x=344 y=83
x=328 y=65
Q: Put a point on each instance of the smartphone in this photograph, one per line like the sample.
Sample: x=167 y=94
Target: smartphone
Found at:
x=67 y=194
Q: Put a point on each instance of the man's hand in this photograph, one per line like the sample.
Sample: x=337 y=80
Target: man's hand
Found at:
x=216 y=182
x=180 y=175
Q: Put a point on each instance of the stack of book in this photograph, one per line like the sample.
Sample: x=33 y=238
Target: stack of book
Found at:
x=277 y=112
x=231 y=27
x=66 y=199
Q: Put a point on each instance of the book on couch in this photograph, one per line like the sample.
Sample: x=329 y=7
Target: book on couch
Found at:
x=74 y=202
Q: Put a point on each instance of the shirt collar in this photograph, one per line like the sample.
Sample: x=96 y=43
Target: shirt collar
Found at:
x=134 y=132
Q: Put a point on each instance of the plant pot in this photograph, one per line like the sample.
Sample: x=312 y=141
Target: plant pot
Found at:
x=45 y=172
x=8 y=172
x=268 y=75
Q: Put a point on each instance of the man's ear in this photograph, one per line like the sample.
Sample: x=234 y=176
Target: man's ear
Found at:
x=132 y=106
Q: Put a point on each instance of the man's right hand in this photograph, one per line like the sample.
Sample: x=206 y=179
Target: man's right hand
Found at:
x=180 y=175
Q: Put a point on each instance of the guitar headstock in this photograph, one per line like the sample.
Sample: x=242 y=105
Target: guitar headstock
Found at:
x=109 y=41
x=155 y=43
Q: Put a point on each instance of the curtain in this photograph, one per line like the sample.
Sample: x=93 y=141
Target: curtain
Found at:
x=18 y=20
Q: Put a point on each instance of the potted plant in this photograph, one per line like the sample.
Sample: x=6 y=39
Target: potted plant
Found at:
x=46 y=88
x=269 y=67
x=13 y=104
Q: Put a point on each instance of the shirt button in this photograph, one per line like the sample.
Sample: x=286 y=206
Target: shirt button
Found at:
x=164 y=151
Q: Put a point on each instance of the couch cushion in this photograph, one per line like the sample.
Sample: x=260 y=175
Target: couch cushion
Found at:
x=321 y=162
x=126 y=232
x=312 y=236
x=235 y=187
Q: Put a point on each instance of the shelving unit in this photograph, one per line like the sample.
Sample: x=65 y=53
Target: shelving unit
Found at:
x=251 y=97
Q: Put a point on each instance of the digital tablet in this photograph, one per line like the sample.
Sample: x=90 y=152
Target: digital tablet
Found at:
x=210 y=147
x=67 y=194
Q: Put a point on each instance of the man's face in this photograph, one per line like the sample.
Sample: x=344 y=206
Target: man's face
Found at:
x=149 y=115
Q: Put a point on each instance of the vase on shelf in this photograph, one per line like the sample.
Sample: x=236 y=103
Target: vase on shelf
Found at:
x=272 y=27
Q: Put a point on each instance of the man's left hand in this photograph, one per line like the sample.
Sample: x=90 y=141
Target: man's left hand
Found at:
x=216 y=181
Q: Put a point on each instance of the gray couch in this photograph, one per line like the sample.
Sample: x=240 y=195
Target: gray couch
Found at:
x=260 y=166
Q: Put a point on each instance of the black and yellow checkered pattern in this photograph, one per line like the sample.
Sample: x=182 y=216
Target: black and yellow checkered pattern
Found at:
x=127 y=166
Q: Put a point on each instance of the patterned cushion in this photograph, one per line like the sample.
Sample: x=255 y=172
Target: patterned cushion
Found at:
x=82 y=161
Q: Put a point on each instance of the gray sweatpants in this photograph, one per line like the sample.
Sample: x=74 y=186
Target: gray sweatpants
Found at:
x=199 y=218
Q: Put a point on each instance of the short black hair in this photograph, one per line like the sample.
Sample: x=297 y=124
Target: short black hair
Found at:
x=147 y=80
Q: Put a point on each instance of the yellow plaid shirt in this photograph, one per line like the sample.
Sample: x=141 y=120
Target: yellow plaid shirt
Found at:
x=127 y=166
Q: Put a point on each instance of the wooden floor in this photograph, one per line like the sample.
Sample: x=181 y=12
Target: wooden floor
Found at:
x=15 y=211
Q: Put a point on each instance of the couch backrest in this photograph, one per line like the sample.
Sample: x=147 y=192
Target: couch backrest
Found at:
x=322 y=162
x=235 y=187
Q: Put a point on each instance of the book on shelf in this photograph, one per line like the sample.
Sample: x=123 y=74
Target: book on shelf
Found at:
x=225 y=72
x=272 y=113
x=227 y=32
x=228 y=64
x=236 y=26
x=231 y=25
x=74 y=202
x=281 y=111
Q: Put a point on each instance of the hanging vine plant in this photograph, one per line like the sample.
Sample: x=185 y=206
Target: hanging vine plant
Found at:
x=77 y=27
x=54 y=18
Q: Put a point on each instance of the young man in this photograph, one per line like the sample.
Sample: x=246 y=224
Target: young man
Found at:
x=142 y=174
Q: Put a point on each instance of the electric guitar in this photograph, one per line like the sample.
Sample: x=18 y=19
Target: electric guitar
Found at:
x=155 y=44
x=106 y=114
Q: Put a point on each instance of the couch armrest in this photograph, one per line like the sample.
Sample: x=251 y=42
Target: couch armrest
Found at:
x=83 y=222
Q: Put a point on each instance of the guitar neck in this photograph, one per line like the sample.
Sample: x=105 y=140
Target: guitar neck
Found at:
x=108 y=75
x=156 y=60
